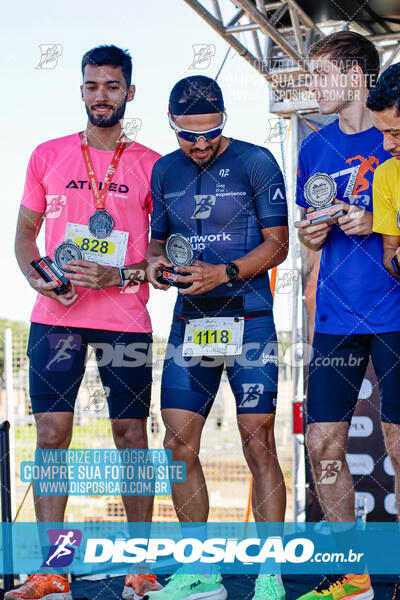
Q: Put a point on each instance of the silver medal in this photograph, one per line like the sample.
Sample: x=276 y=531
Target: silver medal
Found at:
x=320 y=190
x=101 y=224
x=179 y=250
x=65 y=252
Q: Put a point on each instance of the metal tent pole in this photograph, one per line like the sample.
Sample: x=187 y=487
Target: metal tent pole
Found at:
x=299 y=468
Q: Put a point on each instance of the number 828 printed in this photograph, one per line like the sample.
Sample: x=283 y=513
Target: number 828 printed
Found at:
x=94 y=245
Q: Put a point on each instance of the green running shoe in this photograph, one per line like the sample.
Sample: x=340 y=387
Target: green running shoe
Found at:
x=342 y=587
x=185 y=586
x=268 y=588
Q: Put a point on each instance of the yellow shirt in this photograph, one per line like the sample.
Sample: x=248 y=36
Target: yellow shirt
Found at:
x=386 y=197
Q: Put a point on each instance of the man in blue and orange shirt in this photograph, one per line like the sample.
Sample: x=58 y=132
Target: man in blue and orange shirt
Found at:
x=357 y=300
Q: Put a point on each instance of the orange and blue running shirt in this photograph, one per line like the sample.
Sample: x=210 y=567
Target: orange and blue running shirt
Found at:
x=355 y=293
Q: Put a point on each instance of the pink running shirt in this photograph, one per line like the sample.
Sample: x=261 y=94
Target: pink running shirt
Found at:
x=57 y=184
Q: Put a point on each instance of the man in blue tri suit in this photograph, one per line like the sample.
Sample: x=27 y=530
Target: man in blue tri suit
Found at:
x=227 y=197
x=357 y=302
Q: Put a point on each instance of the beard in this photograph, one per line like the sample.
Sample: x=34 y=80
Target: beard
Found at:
x=205 y=164
x=116 y=115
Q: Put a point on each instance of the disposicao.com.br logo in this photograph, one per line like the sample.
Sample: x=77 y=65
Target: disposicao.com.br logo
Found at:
x=289 y=548
x=190 y=550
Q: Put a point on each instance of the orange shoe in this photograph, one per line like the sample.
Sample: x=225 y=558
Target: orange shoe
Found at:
x=342 y=587
x=396 y=592
x=136 y=586
x=42 y=586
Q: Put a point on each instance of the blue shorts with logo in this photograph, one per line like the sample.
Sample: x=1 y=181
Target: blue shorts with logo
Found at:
x=191 y=383
x=337 y=370
x=57 y=361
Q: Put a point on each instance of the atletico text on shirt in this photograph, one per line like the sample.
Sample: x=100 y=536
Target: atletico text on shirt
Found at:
x=213 y=336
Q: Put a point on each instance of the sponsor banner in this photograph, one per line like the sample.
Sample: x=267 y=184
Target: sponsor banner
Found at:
x=360 y=464
x=361 y=426
x=240 y=548
x=366 y=454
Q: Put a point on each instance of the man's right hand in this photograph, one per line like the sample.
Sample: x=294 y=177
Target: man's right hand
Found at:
x=154 y=265
x=46 y=289
x=313 y=236
x=26 y=250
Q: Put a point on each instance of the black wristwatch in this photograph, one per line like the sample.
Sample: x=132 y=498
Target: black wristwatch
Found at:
x=232 y=270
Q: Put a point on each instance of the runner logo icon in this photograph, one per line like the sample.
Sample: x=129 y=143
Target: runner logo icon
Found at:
x=50 y=54
x=62 y=349
x=252 y=394
x=204 y=203
x=203 y=54
x=330 y=470
x=54 y=205
x=61 y=552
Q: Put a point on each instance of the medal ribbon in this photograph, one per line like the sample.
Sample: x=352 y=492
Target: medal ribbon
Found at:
x=101 y=195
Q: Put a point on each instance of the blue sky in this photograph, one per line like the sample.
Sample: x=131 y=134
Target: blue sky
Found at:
x=41 y=104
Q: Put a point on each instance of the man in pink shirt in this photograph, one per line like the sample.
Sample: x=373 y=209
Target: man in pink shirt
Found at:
x=93 y=189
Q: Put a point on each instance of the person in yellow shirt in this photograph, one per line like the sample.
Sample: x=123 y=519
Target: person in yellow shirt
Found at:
x=384 y=101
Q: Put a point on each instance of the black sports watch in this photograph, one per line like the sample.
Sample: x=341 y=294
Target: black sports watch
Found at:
x=232 y=270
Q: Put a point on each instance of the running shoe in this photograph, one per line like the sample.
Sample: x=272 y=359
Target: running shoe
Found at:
x=42 y=586
x=136 y=586
x=342 y=587
x=268 y=588
x=185 y=586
